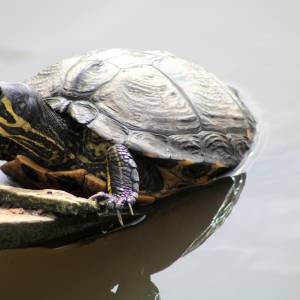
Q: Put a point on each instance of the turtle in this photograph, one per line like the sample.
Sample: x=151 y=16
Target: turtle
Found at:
x=122 y=125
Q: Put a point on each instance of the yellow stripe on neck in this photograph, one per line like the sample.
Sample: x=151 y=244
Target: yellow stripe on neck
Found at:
x=21 y=123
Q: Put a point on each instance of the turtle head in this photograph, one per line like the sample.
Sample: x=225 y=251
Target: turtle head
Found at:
x=26 y=119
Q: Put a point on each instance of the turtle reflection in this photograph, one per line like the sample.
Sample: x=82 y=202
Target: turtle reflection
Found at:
x=120 y=265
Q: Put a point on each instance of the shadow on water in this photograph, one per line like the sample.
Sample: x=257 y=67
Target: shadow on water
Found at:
x=119 y=266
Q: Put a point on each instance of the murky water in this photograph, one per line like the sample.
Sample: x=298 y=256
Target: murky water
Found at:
x=253 y=45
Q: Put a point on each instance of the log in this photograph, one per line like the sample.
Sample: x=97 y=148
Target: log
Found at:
x=52 y=218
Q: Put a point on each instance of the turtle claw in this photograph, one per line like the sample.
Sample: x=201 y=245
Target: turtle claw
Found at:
x=130 y=209
x=113 y=203
x=120 y=218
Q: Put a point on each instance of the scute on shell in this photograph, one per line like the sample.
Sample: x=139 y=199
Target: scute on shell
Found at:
x=155 y=103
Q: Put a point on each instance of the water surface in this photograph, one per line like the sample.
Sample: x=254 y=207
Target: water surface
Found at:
x=254 y=46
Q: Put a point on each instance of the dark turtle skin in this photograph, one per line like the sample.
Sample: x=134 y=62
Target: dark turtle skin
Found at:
x=121 y=124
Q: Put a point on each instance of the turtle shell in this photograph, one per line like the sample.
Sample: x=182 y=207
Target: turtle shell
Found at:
x=154 y=102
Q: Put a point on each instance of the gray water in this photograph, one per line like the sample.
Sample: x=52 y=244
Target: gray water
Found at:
x=254 y=46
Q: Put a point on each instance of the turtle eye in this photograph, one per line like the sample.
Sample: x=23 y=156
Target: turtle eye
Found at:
x=19 y=106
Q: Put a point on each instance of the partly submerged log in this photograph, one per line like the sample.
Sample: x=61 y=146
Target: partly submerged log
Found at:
x=73 y=218
x=49 y=201
x=50 y=217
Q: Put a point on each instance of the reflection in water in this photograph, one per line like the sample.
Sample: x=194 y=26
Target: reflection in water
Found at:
x=119 y=266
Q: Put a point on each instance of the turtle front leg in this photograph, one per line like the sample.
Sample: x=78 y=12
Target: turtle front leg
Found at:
x=122 y=180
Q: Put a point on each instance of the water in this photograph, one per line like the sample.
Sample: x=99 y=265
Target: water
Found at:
x=254 y=46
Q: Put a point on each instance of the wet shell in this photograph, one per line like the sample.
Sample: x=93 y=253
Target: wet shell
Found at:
x=155 y=103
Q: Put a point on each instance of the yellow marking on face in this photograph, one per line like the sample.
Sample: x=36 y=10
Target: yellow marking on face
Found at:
x=6 y=134
x=21 y=123
x=18 y=121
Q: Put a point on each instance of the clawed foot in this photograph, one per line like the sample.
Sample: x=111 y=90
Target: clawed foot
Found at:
x=115 y=203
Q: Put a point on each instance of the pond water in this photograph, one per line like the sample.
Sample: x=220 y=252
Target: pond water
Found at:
x=254 y=46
